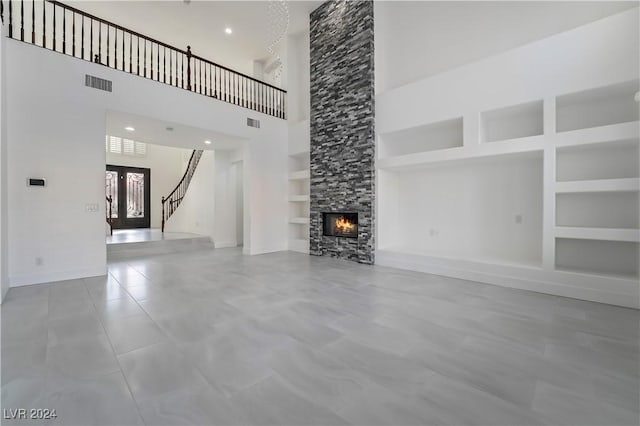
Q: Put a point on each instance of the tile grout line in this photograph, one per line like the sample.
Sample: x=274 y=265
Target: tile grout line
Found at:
x=113 y=351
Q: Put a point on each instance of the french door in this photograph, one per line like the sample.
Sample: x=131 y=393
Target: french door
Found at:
x=130 y=190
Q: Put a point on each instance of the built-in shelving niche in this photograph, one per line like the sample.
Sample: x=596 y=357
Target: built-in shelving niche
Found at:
x=598 y=210
x=434 y=136
x=600 y=257
x=298 y=201
x=597 y=107
x=608 y=160
x=487 y=210
x=512 y=122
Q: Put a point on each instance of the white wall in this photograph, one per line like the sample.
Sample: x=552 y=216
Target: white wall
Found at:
x=297 y=73
x=598 y=54
x=418 y=39
x=449 y=189
x=237 y=172
x=490 y=210
x=52 y=116
x=196 y=213
x=225 y=204
x=4 y=253
x=166 y=164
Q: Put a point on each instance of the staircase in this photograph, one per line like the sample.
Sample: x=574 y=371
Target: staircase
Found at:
x=173 y=200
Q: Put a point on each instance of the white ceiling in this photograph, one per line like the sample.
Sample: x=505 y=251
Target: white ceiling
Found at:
x=154 y=131
x=201 y=25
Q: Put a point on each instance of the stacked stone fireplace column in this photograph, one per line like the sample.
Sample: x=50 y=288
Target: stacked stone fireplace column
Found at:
x=342 y=126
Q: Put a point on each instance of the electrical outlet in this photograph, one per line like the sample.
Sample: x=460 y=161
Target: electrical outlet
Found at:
x=39 y=261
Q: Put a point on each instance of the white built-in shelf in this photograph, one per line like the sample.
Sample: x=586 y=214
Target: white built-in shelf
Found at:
x=429 y=137
x=599 y=185
x=533 y=144
x=617 y=259
x=298 y=198
x=604 y=209
x=598 y=135
x=597 y=107
x=299 y=220
x=299 y=175
x=614 y=159
x=607 y=234
x=512 y=122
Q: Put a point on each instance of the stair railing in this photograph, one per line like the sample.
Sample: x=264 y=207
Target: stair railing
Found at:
x=109 y=213
x=173 y=200
x=65 y=29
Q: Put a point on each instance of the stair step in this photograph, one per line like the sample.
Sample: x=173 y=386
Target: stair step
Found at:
x=122 y=251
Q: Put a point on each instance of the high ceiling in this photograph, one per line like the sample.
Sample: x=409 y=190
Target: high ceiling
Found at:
x=201 y=24
x=433 y=36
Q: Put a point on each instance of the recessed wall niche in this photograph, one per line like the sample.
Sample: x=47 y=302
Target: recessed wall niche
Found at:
x=434 y=136
x=512 y=122
x=598 y=107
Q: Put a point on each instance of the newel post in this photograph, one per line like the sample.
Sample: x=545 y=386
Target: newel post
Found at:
x=188 y=67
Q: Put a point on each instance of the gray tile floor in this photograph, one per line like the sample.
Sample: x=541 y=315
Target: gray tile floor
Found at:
x=214 y=337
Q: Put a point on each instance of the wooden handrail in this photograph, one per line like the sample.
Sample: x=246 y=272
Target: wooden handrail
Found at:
x=130 y=51
x=171 y=202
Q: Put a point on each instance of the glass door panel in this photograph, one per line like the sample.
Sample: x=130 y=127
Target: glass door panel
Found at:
x=112 y=191
x=135 y=195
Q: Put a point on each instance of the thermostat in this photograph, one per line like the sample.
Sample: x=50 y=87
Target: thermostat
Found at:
x=36 y=182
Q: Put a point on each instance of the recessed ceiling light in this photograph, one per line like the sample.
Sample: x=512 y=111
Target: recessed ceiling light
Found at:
x=228 y=30
x=207 y=142
x=129 y=129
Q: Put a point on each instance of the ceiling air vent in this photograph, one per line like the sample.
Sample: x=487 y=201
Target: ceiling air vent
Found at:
x=97 y=83
x=252 y=122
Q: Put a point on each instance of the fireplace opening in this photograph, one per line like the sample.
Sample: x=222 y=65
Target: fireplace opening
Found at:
x=340 y=224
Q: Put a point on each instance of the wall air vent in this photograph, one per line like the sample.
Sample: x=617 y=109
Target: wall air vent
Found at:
x=98 y=83
x=252 y=122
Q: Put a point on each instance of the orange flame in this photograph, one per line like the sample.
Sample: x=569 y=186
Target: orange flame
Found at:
x=343 y=225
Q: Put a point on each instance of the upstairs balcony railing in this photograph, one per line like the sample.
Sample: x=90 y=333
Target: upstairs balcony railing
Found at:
x=65 y=29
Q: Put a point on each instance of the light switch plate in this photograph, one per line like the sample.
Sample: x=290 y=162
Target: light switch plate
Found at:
x=91 y=207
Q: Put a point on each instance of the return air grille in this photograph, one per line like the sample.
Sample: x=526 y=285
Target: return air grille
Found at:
x=97 y=83
x=252 y=122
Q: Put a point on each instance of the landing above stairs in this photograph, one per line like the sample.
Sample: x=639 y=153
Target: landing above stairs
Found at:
x=131 y=243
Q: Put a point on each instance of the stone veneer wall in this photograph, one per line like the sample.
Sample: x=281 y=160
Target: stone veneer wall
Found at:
x=342 y=125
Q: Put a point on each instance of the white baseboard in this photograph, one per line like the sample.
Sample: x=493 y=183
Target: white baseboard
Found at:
x=620 y=292
x=52 y=276
x=264 y=250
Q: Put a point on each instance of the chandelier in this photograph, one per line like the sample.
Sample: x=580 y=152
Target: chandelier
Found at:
x=277 y=26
